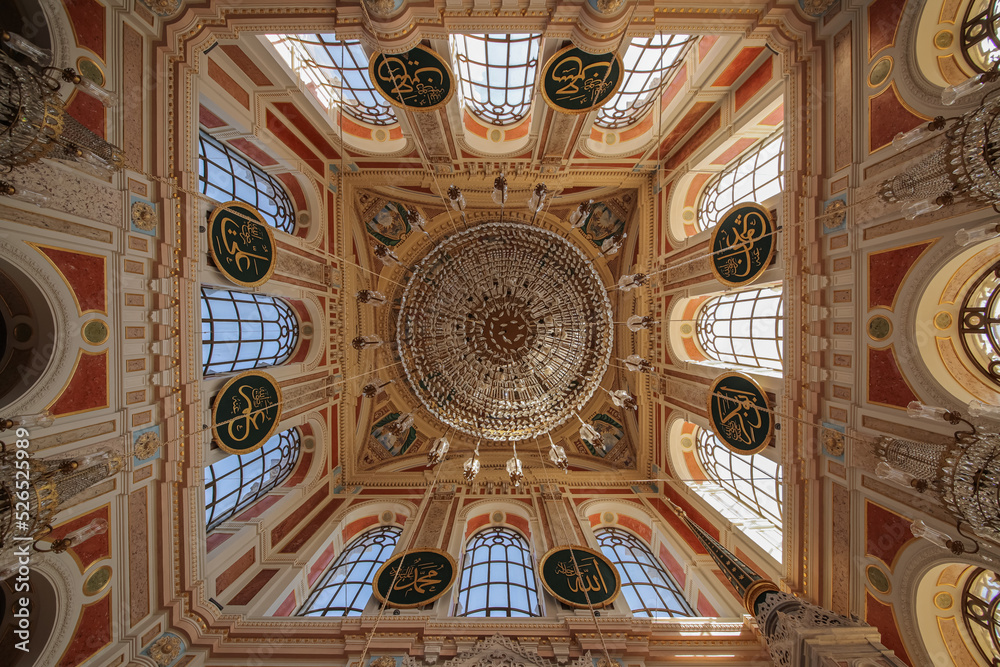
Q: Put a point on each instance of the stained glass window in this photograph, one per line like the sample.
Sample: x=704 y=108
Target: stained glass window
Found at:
x=757 y=175
x=981 y=611
x=744 y=328
x=498 y=576
x=335 y=71
x=647 y=586
x=746 y=490
x=649 y=63
x=242 y=330
x=224 y=174
x=980 y=42
x=497 y=74
x=346 y=587
x=238 y=481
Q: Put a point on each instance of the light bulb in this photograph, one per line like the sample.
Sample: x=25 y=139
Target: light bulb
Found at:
x=914 y=209
x=966 y=237
x=92 y=529
x=980 y=409
x=41 y=56
x=953 y=93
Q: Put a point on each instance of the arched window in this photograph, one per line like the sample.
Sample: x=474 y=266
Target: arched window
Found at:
x=647 y=586
x=498 y=576
x=981 y=611
x=744 y=328
x=979 y=323
x=336 y=72
x=238 y=481
x=757 y=175
x=497 y=73
x=746 y=490
x=980 y=42
x=649 y=63
x=226 y=175
x=242 y=330
x=346 y=587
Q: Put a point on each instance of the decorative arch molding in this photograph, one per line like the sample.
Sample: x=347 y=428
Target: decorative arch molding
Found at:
x=39 y=274
x=499 y=650
x=916 y=561
x=66 y=583
x=371 y=508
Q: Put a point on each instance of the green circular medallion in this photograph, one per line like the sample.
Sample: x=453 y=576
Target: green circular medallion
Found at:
x=880 y=71
x=246 y=412
x=580 y=577
x=742 y=244
x=241 y=244
x=97 y=581
x=740 y=414
x=574 y=81
x=414 y=578
x=879 y=327
x=419 y=79
x=877 y=578
x=89 y=69
x=95 y=332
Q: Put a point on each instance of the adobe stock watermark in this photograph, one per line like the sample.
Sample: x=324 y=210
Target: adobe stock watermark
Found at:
x=23 y=539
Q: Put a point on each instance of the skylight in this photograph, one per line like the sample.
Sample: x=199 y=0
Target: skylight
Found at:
x=649 y=63
x=336 y=73
x=497 y=74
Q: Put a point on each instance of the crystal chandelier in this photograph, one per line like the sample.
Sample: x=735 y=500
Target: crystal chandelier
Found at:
x=964 y=475
x=34 y=123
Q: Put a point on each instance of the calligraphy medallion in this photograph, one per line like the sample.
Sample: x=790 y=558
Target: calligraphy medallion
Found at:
x=246 y=412
x=414 y=578
x=419 y=79
x=241 y=244
x=742 y=244
x=740 y=414
x=580 y=577
x=574 y=81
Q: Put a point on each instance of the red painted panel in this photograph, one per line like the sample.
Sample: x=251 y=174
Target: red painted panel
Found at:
x=726 y=157
x=249 y=67
x=228 y=83
x=886 y=532
x=209 y=119
x=89 y=552
x=690 y=119
x=886 y=382
x=85 y=274
x=675 y=85
x=301 y=470
x=775 y=118
x=637 y=129
x=754 y=83
x=705 y=607
x=883 y=20
x=674 y=567
x=594 y=519
x=357 y=526
x=710 y=127
x=888 y=117
x=288 y=138
x=285 y=527
x=93 y=632
x=294 y=189
x=475 y=523
x=400 y=519
x=520 y=523
x=87 y=17
x=214 y=540
x=89 y=111
x=396 y=132
x=519 y=131
x=888 y=269
x=249 y=592
x=287 y=607
x=253 y=152
x=882 y=617
x=259 y=508
x=474 y=126
x=637 y=527
x=87 y=389
x=705 y=45
x=314 y=525
x=353 y=128
x=740 y=63
x=232 y=573
x=322 y=563
x=308 y=130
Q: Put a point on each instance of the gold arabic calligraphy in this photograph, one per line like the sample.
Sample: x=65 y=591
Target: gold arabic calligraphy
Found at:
x=251 y=414
x=420 y=578
x=581 y=81
x=740 y=414
x=411 y=84
x=585 y=579
x=740 y=243
x=241 y=237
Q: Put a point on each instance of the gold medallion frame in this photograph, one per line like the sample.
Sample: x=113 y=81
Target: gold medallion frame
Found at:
x=767 y=262
x=398 y=558
x=396 y=103
x=593 y=552
x=556 y=107
x=711 y=395
x=259 y=220
x=215 y=413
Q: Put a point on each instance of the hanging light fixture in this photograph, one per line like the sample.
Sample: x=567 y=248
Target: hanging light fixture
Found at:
x=589 y=433
x=372 y=389
x=639 y=322
x=439 y=448
x=578 y=217
x=557 y=455
x=417 y=220
x=632 y=281
x=514 y=469
x=371 y=297
x=471 y=466
x=367 y=341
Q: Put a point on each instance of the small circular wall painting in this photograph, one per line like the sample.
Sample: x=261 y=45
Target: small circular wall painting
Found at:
x=97 y=581
x=879 y=327
x=877 y=578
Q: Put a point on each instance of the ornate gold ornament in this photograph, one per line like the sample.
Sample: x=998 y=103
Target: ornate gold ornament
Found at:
x=146 y=445
x=144 y=216
x=163 y=7
x=380 y=8
x=385 y=660
x=833 y=442
x=165 y=650
x=834 y=214
x=609 y=7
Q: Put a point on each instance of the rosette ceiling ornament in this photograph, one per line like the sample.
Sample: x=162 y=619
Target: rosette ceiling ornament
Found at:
x=505 y=331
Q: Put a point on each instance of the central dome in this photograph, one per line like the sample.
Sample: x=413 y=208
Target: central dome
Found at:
x=504 y=331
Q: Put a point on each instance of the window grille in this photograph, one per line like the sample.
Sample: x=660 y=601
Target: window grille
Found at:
x=497 y=74
x=981 y=611
x=744 y=328
x=647 y=586
x=980 y=42
x=757 y=175
x=243 y=330
x=498 y=576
